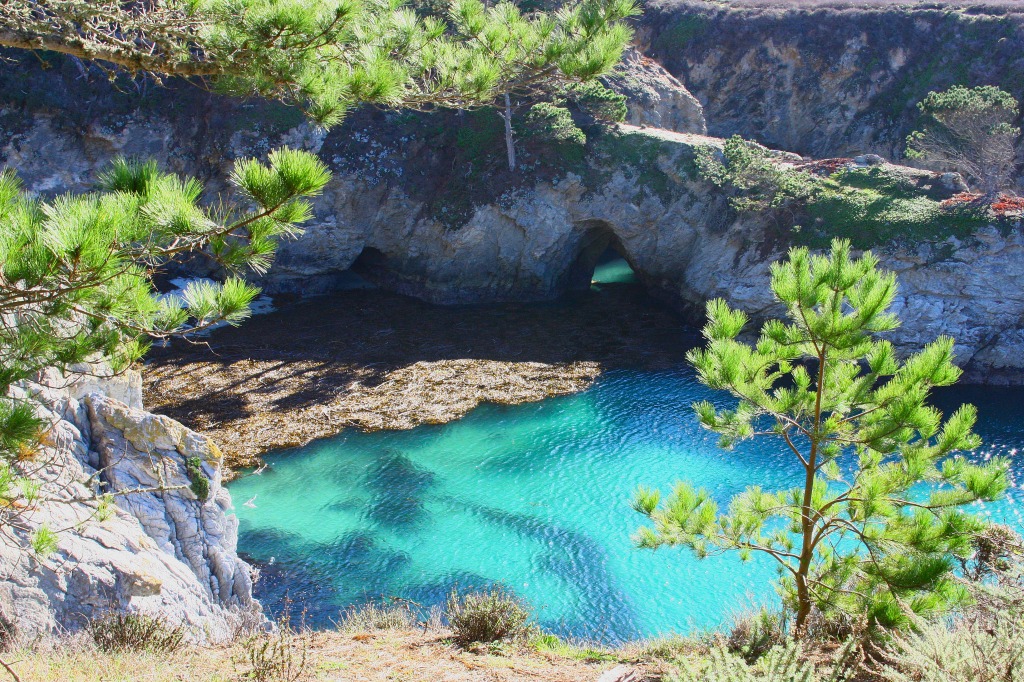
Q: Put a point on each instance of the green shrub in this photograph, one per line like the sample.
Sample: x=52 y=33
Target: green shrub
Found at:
x=979 y=652
x=598 y=102
x=971 y=130
x=274 y=657
x=198 y=482
x=785 y=663
x=869 y=206
x=755 y=180
x=487 y=616
x=135 y=632
x=752 y=635
x=548 y=122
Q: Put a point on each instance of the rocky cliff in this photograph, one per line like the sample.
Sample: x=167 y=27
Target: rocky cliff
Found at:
x=162 y=547
x=831 y=77
x=423 y=205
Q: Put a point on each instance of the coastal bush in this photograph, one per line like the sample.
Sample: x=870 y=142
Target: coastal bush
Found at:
x=136 y=632
x=198 y=482
x=754 y=634
x=547 y=122
x=374 y=616
x=858 y=536
x=487 y=616
x=975 y=651
x=970 y=130
x=783 y=663
x=868 y=206
x=756 y=180
x=597 y=101
x=280 y=656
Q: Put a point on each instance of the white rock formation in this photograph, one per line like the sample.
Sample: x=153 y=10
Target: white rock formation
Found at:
x=163 y=552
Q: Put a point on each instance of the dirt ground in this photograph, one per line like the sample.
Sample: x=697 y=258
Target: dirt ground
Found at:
x=374 y=360
x=407 y=655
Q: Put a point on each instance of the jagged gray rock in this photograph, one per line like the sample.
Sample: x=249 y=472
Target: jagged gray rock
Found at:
x=162 y=552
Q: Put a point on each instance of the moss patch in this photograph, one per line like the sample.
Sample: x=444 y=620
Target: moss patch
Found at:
x=199 y=483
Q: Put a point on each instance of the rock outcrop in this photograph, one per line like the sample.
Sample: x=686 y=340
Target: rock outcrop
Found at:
x=654 y=97
x=158 y=549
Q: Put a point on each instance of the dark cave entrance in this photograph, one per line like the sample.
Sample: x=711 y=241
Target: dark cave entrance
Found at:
x=601 y=259
x=367 y=269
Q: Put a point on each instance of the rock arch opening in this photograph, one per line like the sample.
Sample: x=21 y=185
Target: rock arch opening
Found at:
x=601 y=258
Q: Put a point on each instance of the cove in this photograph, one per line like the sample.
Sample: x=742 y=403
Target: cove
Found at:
x=536 y=496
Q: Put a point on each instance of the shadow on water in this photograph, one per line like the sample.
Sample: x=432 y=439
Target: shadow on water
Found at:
x=398 y=487
x=580 y=563
x=362 y=335
x=303 y=576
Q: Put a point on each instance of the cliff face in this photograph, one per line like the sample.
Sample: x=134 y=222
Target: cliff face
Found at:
x=830 y=78
x=423 y=205
x=160 y=549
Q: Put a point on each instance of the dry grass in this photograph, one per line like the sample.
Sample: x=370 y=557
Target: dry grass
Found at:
x=375 y=360
x=370 y=656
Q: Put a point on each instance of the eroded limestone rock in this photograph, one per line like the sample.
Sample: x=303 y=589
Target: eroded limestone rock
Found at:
x=162 y=552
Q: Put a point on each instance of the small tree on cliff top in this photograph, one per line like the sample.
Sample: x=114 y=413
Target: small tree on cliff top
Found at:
x=970 y=130
x=76 y=283
x=874 y=526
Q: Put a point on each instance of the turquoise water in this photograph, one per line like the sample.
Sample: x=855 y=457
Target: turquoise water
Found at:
x=535 y=496
x=613 y=269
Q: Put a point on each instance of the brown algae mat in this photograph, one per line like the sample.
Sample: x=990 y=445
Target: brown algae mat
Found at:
x=370 y=359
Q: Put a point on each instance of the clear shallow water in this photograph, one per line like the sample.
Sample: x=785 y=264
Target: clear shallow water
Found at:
x=535 y=496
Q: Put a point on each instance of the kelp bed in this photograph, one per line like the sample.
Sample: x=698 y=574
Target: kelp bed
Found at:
x=374 y=360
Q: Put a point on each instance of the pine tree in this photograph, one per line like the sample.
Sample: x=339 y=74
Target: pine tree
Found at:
x=76 y=279
x=330 y=55
x=874 y=527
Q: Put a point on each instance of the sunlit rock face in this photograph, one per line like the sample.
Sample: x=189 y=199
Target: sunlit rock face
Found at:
x=160 y=550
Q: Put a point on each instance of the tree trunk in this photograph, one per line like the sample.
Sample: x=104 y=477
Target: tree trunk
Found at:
x=803 y=596
x=509 y=143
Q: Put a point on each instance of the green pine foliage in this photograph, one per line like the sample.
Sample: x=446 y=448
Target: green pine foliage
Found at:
x=328 y=56
x=76 y=280
x=550 y=123
x=875 y=527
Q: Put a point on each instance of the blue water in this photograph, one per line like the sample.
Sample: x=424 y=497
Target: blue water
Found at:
x=535 y=496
